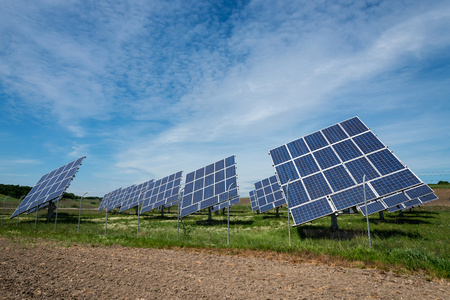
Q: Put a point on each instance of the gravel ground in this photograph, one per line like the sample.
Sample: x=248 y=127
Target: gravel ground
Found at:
x=43 y=270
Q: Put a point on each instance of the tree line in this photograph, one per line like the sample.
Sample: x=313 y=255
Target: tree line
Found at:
x=18 y=191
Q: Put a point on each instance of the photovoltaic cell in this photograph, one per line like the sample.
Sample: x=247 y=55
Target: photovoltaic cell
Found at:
x=330 y=165
x=200 y=192
x=428 y=198
x=50 y=187
x=269 y=195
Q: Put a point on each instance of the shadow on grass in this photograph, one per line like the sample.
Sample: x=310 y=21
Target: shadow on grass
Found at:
x=398 y=220
x=222 y=222
x=322 y=232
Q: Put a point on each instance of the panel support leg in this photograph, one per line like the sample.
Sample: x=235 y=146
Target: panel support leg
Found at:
x=334 y=223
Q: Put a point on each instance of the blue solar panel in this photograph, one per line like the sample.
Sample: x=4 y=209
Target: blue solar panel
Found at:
x=395 y=182
x=306 y=165
x=204 y=192
x=368 y=142
x=412 y=203
x=333 y=162
x=395 y=199
x=385 y=162
x=162 y=193
x=428 y=198
x=373 y=207
x=50 y=187
x=360 y=167
x=354 y=126
x=316 y=186
x=311 y=211
x=419 y=191
x=253 y=201
x=396 y=208
x=326 y=158
x=315 y=141
x=298 y=148
x=347 y=150
x=224 y=204
x=351 y=197
x=286 y=171
x=338 y=178
x=269 y=195
x=334 y=133
x=279 y=155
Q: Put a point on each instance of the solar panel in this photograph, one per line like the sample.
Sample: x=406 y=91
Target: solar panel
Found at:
x=373 y=207
x=162 y=192
x=208 y=186
x=253 y=200
x=50 y=187
x=396 y=208
x=269 y=194
x=133 y=198
x=428 y=198
x=116 y=199
x=398 y=198
x=224 y=204
x=327 y=167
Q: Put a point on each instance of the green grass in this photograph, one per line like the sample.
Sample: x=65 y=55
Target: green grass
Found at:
x=419 y=241
x=440 y=186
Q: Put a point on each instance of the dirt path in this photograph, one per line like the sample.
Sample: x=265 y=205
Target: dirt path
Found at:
x=48 y=271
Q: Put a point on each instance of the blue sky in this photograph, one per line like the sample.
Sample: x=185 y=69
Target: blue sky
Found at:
x=147 y=88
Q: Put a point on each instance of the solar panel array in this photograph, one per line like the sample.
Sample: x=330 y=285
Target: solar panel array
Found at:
x=409 y=197
x=50 y=187
x=268 y=194
x=326 y=170
x=161 y=192
x=254 y=200
x=208 y=186
x=134 y=198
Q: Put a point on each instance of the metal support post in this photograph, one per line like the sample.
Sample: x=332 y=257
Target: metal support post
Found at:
x=139 y=211
x=179 y=212
x=287 y=203
x=3 y=208
x=56 y=216
x=79 y=213
x=228 y=222
x=367 y=214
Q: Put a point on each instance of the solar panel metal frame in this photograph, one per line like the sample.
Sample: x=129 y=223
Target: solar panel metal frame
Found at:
x=269 y=194
x=162 y=192
x=339 y=157
x=207 y=186
x=50 y=187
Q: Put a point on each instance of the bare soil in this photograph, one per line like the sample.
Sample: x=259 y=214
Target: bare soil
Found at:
x=43 y=270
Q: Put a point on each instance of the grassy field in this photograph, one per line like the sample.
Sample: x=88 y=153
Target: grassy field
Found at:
x=418 y=241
